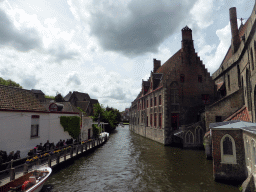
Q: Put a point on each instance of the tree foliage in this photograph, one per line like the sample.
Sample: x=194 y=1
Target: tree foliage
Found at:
x=9 y=82
x=71 y=124
x=59 y=98
x=107 y=115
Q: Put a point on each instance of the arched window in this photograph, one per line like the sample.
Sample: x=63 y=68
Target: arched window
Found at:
x=199 y=135
x=228 y=150
x=227 y=146
x=189 y=138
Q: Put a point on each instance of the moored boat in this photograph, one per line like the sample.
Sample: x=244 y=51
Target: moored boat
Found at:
x=30 y=182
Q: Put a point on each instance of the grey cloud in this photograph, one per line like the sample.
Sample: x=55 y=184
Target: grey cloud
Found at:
x=117 y=94
x=73 y=79
x=29 y=81
x=142 y=29
x=61 y=53
x=22 y=40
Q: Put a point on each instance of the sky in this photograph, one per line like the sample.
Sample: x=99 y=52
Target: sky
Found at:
x=106 y=47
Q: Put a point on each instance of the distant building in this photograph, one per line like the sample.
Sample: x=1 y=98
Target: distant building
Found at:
x=169 y=106
x=81 y=100
x=125 y=116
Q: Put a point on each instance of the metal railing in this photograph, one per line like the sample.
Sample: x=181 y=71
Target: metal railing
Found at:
x=48 y=158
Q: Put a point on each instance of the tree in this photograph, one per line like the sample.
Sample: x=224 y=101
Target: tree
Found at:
x=9 y=82
x=109 y=115
x=59 y=98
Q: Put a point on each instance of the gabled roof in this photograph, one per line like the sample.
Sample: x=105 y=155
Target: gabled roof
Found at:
x=68 y=107
x=12 y=98
x=83 y=105
x=81 y=96
x=242 y=115
x=165 y=68
x=36 y=91
x=67 y=97
x=94 y=101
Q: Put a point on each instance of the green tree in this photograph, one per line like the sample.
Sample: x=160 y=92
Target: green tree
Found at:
x=59 y=98
x=109 y=115
x=9 y=82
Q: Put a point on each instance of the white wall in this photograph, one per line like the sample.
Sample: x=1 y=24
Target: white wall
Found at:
x=15 y=130
x=87 y=124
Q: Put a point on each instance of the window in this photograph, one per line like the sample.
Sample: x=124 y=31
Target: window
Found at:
x=189 y=138
x=150 y=120
x=228 y=82
x=205 y=98
x=155 y=120
x=147 y=121
x=147 y=103
x=160 y=100
x=218 y=119
x=34 y=125
x=160 y=120
x=227 y=146
x=174 y=96
x=228 y=150
x=200 y=78
x=151 y=104
x=182 y=78
x=155 y=101
x=199 y=135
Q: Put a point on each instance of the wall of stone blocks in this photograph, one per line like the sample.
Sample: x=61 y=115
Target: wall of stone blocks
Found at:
x=224 y=108
x=228 y=172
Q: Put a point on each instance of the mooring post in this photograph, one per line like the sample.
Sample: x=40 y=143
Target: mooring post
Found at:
x=25 y=170
x=71 y=151
x=86 y=146
x=50 y=161
x=58 y=159
x=76 y=149
x=12 y=174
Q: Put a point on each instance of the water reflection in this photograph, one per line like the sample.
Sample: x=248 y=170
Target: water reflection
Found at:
x=129 y=162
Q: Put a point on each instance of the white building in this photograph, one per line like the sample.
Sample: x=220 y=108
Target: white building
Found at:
x=25 y=123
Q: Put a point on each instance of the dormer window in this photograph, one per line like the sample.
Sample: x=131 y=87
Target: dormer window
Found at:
x=182 y=78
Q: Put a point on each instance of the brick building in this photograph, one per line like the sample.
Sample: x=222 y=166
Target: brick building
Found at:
x=169 y=106
x=236 y=76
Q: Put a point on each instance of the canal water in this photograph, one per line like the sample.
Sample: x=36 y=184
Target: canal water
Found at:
x=129 y=162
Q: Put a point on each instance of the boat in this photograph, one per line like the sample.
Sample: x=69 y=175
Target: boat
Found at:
x=103 y=134
x=30 y=182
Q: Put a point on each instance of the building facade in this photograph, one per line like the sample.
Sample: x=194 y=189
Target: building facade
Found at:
x=169 y=106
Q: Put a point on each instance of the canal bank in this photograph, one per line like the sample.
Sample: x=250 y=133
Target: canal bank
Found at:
x=129 y=162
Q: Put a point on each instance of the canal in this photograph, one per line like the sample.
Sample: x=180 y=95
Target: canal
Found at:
x=129 y=162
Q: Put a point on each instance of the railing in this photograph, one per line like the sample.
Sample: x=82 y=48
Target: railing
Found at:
x=49 y=158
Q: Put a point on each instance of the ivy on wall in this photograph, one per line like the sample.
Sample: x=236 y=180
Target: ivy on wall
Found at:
x=71 y=125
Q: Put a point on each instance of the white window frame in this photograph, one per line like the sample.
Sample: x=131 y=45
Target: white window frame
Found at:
x=34 y=126
x=228 y=159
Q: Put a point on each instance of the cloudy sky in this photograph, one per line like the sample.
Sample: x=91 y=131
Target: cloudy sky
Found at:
x=106 y=47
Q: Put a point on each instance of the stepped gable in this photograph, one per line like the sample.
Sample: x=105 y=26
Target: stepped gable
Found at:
x=13 y=98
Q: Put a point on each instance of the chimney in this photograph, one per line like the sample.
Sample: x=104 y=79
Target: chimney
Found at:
x=235 y=41
x=157 y=64
x=187 y=40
